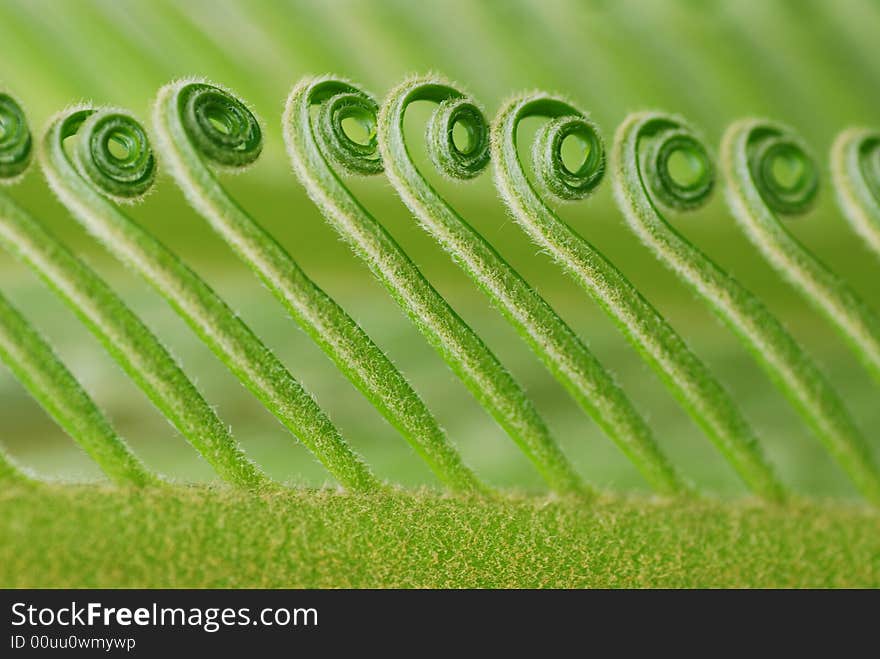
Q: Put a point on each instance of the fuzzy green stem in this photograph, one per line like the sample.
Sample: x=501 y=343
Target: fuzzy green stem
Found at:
x=34 y=364
x=768 y=171
x=688 y=379
x=84 y=185
x=124 y=336
x=316 y=140
x=188 y=143
x=855 y=170
x=645 y=184
x=552 y=340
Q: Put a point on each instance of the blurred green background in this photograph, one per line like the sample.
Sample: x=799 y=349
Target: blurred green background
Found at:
x=811 y=63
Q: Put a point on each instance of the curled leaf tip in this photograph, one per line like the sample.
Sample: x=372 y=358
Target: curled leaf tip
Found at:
x=114 y=153
x=462 y=157
x=112 y=150
x=782 y=169
x=16 y=144
x=855 y=170
x=457 y=134
x=344 y=123
x=551 y=171
x=672 y=159
x=555 y=175
x=220 y=125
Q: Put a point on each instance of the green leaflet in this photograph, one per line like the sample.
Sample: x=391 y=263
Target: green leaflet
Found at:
x=557 y=345
x=751 y=150
x=316 y=141
x=188 y=139
x=84 y=189
x=644 y=185
x=683 y=373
